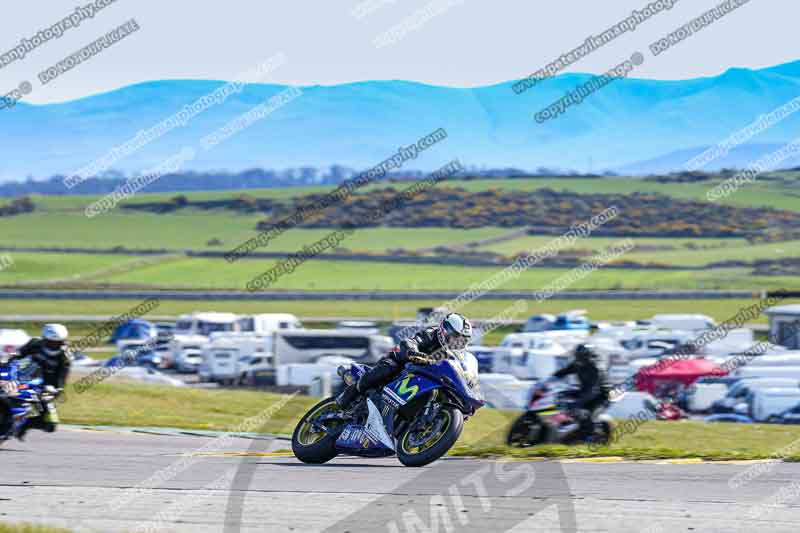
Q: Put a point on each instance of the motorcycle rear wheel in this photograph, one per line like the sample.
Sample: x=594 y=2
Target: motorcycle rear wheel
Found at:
x=437 y=439
x=309 y=443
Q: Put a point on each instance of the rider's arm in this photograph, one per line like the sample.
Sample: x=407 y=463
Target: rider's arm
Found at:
x=29 y=348
x=63 y=370
x=566 y=371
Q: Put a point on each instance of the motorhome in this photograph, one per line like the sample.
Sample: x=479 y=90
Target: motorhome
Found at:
x=247 y=334
x=192 y=332
x=306 y=346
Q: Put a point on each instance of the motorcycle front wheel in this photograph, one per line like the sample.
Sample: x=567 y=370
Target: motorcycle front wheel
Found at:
x=602 y=433
x=527 y=430
x=312 y=441
x=422 y=444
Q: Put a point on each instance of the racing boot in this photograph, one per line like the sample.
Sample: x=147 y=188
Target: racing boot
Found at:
x=347 y=397
x=22 y=430
x=50 y=419
x=378 y=376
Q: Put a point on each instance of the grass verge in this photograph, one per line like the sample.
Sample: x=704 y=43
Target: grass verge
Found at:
x=484 y=434
x=387 y=310
x=30 y=528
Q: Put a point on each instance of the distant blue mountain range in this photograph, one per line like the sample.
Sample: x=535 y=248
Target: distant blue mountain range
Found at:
x=631 y=125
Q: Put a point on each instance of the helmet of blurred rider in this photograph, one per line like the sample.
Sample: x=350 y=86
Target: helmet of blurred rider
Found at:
x=585 y=352
x=454 y=332
x=54 y=337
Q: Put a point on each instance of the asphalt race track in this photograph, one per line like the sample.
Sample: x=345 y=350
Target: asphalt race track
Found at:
x=96 y=481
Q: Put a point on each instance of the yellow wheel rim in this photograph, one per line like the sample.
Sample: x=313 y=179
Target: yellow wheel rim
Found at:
x=430 y=441
x=308 y=435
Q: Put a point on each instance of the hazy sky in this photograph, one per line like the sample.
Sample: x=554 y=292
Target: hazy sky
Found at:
x=470 y=42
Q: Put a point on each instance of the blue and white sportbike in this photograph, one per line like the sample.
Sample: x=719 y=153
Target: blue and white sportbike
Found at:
x=22 y=392
x=418 y=417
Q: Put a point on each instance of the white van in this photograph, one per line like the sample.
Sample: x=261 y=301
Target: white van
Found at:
x=503 y=391
x=703 y=395
x=268 y=322
x=787 y=359
x=308 y=345
x=748 y=371
x=530 y=356
x=772 y=401
x=688 y=322
x=226 y=355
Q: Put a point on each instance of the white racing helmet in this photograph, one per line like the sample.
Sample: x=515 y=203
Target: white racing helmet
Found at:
x=54 y=337
x=454 y=332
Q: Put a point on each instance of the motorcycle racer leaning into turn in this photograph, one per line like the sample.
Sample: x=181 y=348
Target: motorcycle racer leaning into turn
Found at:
x=430 y=345
x=51 y=355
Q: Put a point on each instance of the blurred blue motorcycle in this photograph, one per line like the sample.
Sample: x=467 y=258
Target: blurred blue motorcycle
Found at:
x=22 y=397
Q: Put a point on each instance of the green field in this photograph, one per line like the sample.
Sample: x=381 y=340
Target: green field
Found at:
x=384 y=310
x=59 y=222
x=331 y=275
x=194 y=229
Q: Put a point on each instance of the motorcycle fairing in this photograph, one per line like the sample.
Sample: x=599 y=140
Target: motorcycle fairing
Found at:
x=371 y=439
x=24 y=402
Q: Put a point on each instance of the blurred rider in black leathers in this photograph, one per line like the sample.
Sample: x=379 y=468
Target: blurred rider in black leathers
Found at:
x=51 y=355
x=429 y=345
x=592 y=392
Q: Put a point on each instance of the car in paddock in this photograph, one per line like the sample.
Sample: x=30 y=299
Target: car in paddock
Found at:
x=574 y=320
x=136 y=330
x=633 y=404
x=789 y=416
x=741 y=391
x=136 y=353
x=765 y=404
x=729 y=417
x=256 y=370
